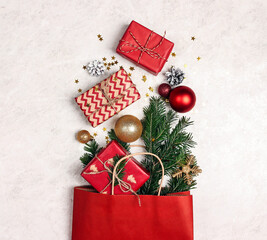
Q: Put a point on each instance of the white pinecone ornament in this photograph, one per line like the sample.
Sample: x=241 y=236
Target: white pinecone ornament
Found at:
x=95 y=68
x=175 y=76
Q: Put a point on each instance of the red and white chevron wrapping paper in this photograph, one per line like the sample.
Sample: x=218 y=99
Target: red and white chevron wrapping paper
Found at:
x=95 y=105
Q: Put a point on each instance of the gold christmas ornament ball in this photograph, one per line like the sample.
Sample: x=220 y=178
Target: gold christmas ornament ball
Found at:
x=84 y=136
x=128 y=128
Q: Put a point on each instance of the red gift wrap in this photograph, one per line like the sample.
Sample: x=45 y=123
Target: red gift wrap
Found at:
x=97 y=173
x=107 y=98
x=119 y=217
x=145 y=47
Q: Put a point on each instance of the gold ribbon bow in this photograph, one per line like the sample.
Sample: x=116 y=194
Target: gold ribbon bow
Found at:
x=150 y=51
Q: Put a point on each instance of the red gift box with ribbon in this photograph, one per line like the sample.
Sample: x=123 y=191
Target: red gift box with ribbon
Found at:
x=97 y=171
x=108 y=97
x=145 y=47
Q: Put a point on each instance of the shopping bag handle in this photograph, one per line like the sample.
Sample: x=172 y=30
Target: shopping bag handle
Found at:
x=135 y=154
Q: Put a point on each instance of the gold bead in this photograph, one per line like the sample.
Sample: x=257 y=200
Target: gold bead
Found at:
x=84 y=136
x=128 y=128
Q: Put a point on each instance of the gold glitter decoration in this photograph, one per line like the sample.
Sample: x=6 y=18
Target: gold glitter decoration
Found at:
x=131 y=68
x=189 y=170
x=104 y=59
x=121 y=67
x=128 y=128
x=144 y=78
x=95 y=134
x=116 y=62
x=129 y=74
x=174 y=54
x=84 y=136
x=147 y=95
x=79 y=90
x=76 y=81
x=113 y=58
x=151 y=89
x=193 y=38
x=198 y=58
x=84 y=67
x=104 y=129
x=108 y=68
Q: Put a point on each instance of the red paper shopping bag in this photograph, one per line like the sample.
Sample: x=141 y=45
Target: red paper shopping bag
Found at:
x=119 y=217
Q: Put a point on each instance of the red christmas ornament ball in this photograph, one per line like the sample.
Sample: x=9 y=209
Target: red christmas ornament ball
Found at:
x=164 y=90
x=182 y=99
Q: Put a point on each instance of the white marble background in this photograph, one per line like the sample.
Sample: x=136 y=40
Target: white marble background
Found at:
x=44 y=45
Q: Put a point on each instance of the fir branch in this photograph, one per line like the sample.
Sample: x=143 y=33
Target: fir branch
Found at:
x=113 y=136
x=120 y=171
x=91 y=148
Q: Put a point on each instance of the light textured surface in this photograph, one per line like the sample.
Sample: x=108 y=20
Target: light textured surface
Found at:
x=44 y=45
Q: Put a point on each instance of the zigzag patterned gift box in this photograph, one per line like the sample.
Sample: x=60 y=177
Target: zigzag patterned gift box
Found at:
x=108 y=97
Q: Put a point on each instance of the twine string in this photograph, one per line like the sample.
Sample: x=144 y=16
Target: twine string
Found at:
x=111 y=101
x=150 y=51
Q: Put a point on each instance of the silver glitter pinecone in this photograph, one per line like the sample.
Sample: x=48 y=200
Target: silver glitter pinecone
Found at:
x=95 y=68
x=175 y=76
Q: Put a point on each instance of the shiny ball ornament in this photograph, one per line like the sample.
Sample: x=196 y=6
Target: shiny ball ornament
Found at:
x=128 y=128
x=164 y=90
x=84 y=136
x=182 y=99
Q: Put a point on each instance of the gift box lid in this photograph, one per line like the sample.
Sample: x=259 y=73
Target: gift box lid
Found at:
x=145 y=47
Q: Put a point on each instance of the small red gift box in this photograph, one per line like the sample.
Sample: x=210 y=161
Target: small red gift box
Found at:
x=97 y=173
x=145 y=47
x=107 y=98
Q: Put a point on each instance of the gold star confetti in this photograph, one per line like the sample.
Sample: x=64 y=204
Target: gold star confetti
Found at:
x=129 y=74
x=151 y=89
x=198 y=58
x=96 y=88
x=99 y=36
x=131 y=68
x=147 y=95
x=101 y=39
x=104 y=129
x=193 y=38
x=84 y=67
x=185 y=65
x=144 y=78
x=113 y=58
x=105 y=64
x=107 y=138
x=107 y=142
x=173 y=54
x=115 y=79
x=116 y=62
x=79 y=90
x=95 y=134
x=88 y=105
x=109 y=64
x=167 y=100
x=76 y=80
x=121 y=67
x=112 y=63
x=108 y=68
x=104 y=59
